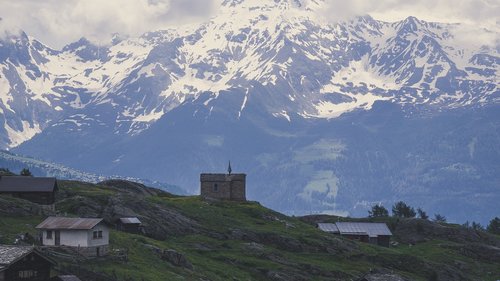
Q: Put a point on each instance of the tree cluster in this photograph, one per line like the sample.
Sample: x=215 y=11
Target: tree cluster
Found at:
x=494 y=226
x=402 y=210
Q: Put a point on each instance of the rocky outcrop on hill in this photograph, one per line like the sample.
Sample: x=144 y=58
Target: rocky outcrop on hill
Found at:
x=176 y=258
x=381 y=275
x=10 y=206
x=412 y=231
x=129 y=200
x=220 y=240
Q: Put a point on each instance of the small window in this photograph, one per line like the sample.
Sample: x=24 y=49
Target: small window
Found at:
x=49 y=234
x=216 y=187
x=25 y=274
x=97 y=234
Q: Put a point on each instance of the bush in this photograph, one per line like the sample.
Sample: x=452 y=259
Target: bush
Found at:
x=26 y=172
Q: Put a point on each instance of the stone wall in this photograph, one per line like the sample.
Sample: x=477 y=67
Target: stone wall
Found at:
x=223 y=186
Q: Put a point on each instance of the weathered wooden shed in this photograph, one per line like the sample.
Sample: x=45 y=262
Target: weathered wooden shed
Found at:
x=90 y=236
x=374 y=233
x=23 y=263
x=131 y=225
x=35 y=189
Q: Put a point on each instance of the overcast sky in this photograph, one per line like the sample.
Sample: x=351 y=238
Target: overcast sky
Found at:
x=58 y=22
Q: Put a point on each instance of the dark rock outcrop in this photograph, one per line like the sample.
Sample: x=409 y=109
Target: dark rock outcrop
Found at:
x=176 y=258
x=381 y=275
x=130 y=200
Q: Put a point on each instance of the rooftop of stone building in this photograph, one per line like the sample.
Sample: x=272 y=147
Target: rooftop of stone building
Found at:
x=221 y=177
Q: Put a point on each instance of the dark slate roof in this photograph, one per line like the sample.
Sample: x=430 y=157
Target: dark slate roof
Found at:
x=130 y=220
x=68 y=278
x=27 y=184
x=10 y=254
x=68 y=223
x=363 y=228
x=328 y=227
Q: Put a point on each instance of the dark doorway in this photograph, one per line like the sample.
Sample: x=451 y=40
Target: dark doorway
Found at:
x=57 y=237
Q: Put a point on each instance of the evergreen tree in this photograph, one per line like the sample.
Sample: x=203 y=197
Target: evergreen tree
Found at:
x=439 y=218
x=477 y=226
x=422 y=214
x=378 y=211
x=466 y=224
x=26 y=172
x=494 y=226
x=401 y=210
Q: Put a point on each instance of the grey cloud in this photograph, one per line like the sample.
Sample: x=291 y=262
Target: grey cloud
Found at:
x=57 y=23
x=476 y=11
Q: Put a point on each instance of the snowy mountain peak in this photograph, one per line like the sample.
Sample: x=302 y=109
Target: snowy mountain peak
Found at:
x=87 y=51
x=273 y=55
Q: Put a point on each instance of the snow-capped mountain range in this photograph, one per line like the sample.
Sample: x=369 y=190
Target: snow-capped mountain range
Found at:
x=311 y=70
x=267 y=68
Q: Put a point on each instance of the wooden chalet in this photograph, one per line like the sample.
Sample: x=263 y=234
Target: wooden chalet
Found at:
x=21 y=263
x=35 y=189
x=374 y=233
x=131 y=225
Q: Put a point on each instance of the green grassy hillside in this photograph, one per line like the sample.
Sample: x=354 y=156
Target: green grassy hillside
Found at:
x=246 y=241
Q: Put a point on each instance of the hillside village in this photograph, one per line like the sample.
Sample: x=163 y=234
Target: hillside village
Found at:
x=63 y=230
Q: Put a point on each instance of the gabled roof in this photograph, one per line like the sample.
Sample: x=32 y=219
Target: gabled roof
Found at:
x=69 y=223
x=130 y=220
x=10 y=254
x=363 y=228
x=27 y=184
x=328 y=227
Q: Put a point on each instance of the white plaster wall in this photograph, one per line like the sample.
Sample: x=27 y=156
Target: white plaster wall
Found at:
x=82 y=238
x=74 y=238
x=48 y=242
x=99 y=241
x=68 y=238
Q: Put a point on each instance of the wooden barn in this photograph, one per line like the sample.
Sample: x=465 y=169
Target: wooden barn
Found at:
x=90 y=236
x=131 y=225
x=21 y=263
x=35 y=189
x=374 y=233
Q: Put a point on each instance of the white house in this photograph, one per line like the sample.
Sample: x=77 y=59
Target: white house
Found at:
x=90 y=236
